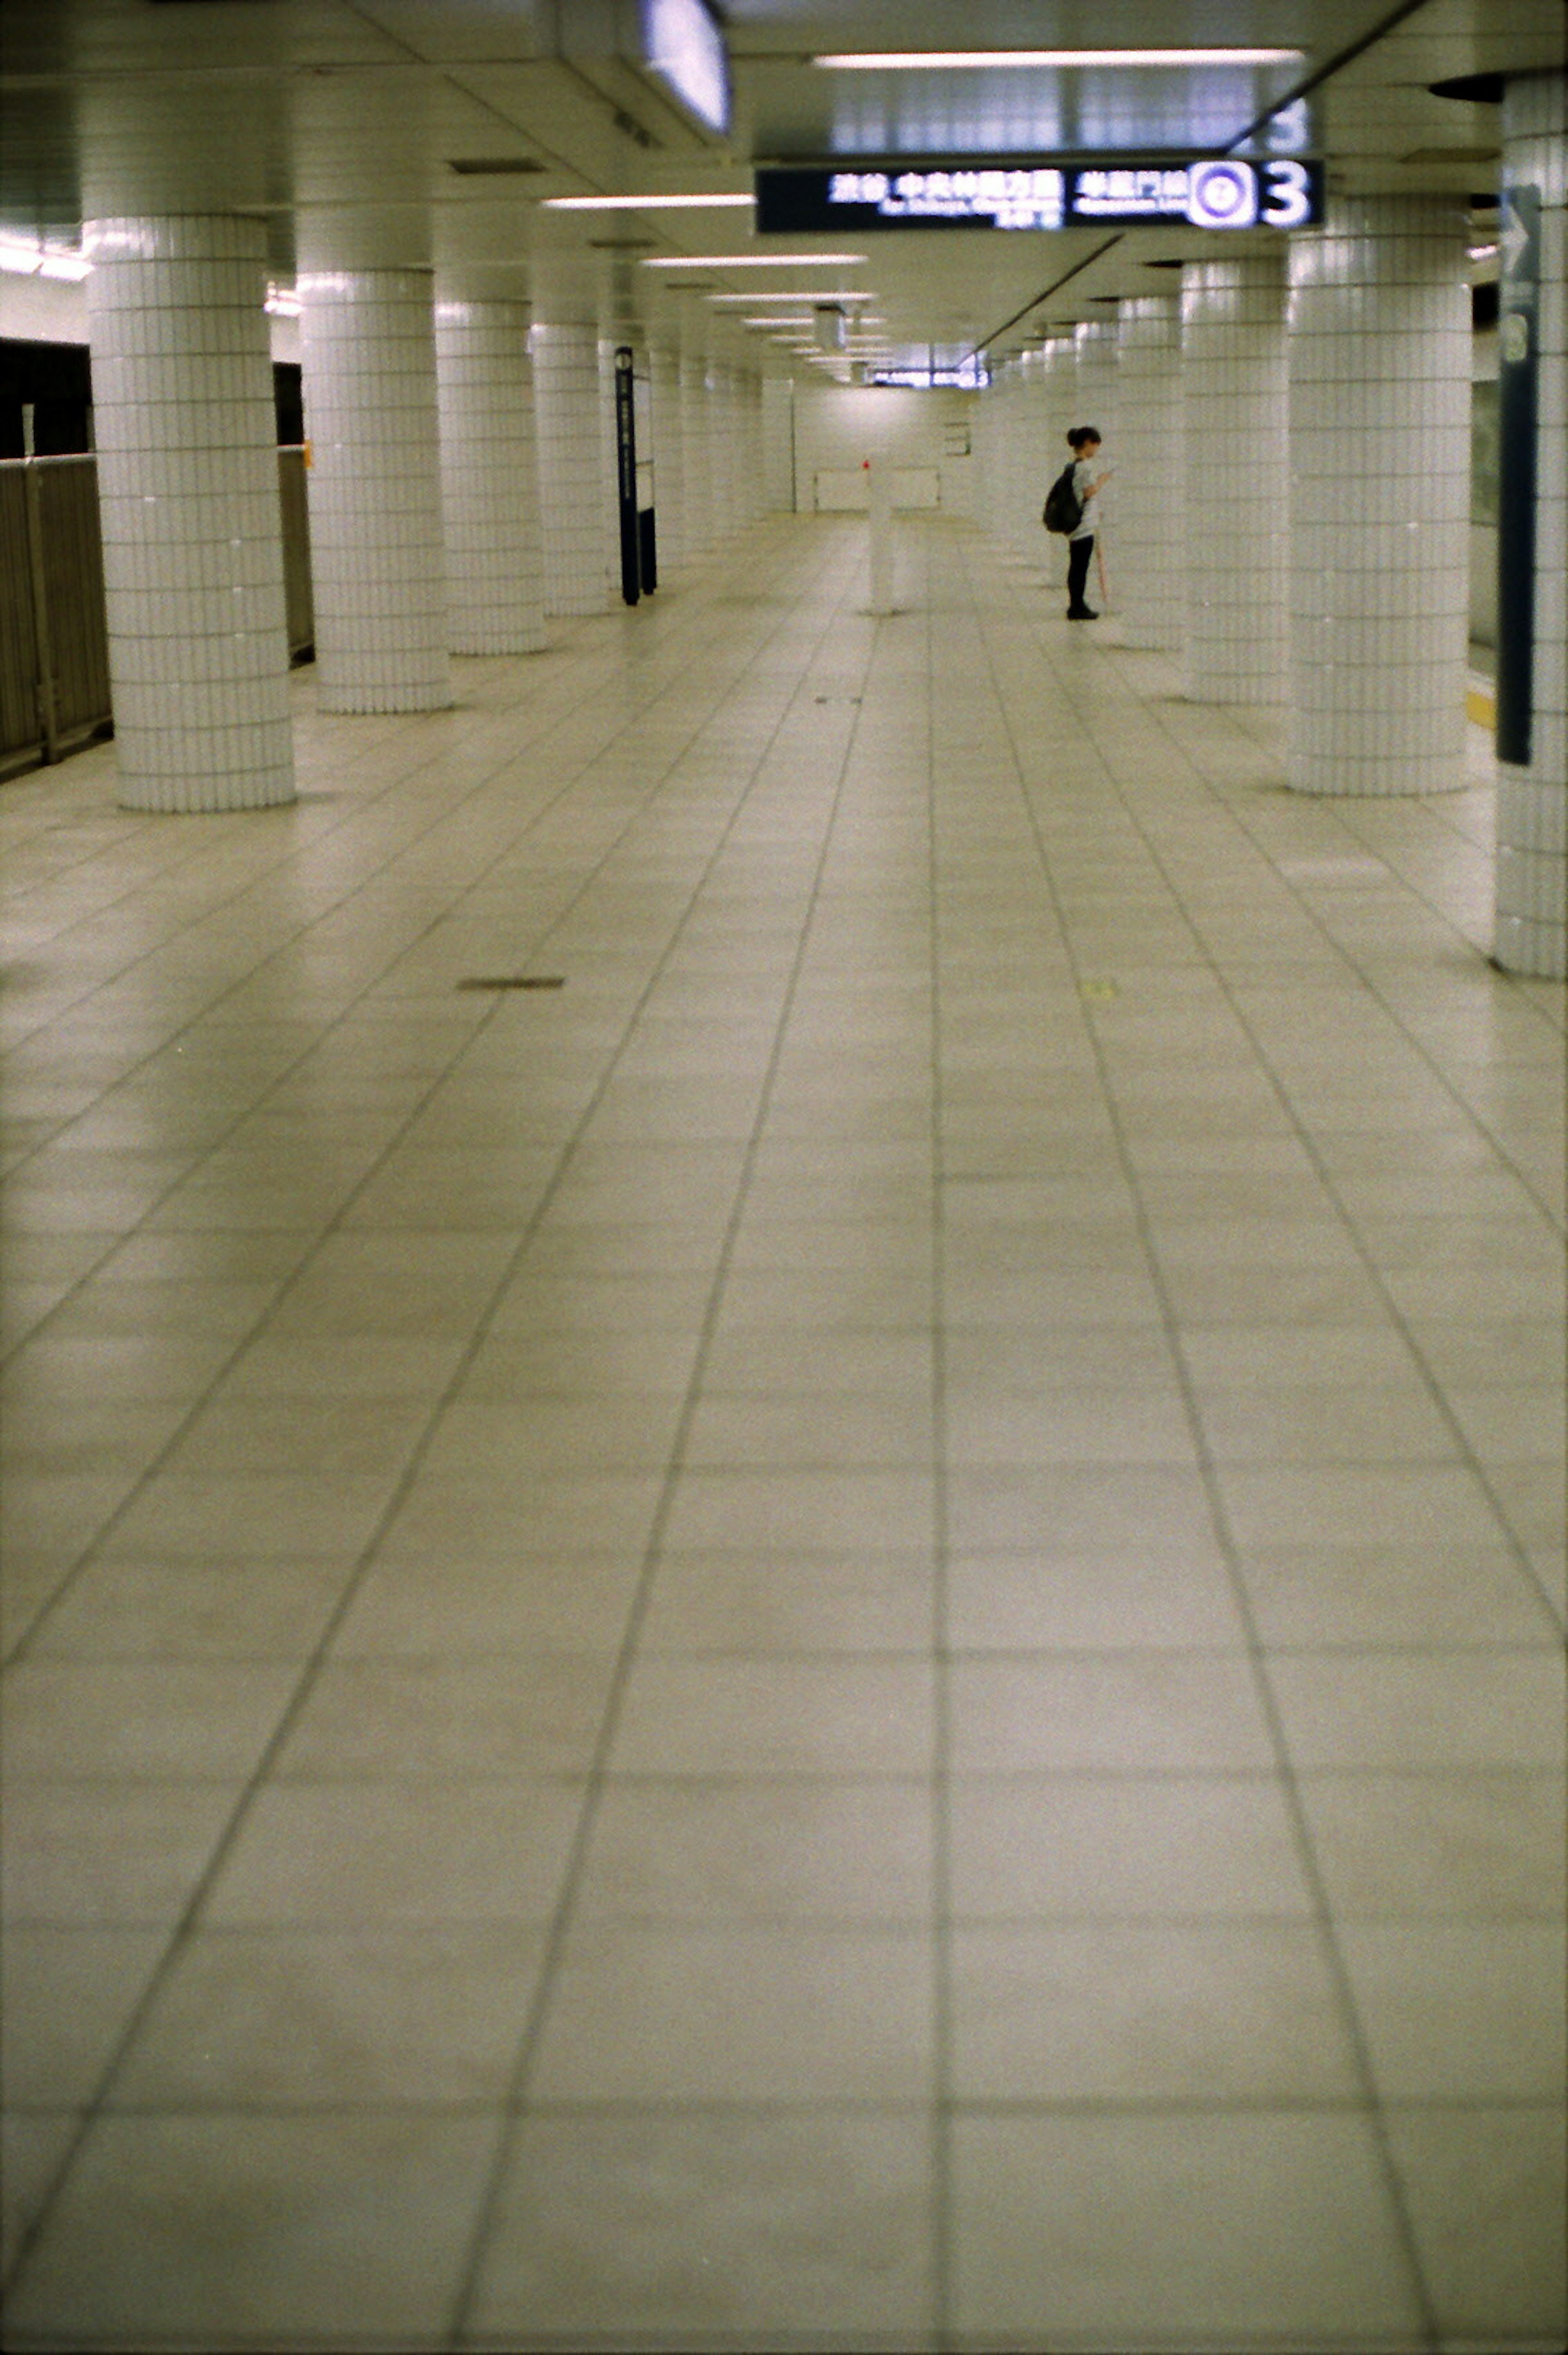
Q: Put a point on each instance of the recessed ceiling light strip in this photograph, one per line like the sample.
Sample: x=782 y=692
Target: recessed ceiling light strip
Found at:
x=754 y=261
x=1010 y=61
x=644 y=203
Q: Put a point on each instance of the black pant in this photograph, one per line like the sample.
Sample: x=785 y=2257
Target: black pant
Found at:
x=1079 y=551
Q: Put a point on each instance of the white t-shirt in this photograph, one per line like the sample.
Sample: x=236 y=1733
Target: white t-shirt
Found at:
x=1083 y=473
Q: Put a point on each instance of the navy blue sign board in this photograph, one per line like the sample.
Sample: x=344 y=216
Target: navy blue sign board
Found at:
x=1519 y=401
x=1216 y=192
x=626 y=476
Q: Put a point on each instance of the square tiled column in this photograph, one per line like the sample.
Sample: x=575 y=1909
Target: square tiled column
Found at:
x=754 y=503
x=1151 y=553
x=668 y=450
x=1094 y=346
x=697 y=439
x=489 y=484
x=574 y=505
x=778 y=444
x=188 y=474
x=1380 y=498
x=1531 y=930
x=722 y=426
x=377 y=557
x=1233 y=402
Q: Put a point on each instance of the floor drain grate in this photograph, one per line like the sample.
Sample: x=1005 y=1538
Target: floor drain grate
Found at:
x=514 y=981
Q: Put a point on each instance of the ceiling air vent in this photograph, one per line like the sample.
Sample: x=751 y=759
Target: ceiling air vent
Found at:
x=492 y=168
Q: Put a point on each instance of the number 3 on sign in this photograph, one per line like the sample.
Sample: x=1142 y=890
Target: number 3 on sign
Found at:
x=1288 y=196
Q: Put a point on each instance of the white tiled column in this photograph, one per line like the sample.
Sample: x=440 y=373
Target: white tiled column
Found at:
x=1380 y=498
x=574 y=517
x=1151 y=553
x=997 y=412
x=1094 y=344
x=778 y=444
x=1235 y=405
x=721 y=410
x=1531 y=930
x=1024 y=439
x=611 y=339
x=188 y=474
x=1059 y=361
x=378 y=558
x=668 y=451
x=489 y=489
x=752 y=446
x=697 y=439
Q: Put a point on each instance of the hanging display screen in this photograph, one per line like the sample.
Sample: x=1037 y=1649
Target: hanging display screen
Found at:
x=1217 y=192
x=682 y=43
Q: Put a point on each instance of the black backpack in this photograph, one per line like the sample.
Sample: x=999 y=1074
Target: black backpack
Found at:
x=1063 y=509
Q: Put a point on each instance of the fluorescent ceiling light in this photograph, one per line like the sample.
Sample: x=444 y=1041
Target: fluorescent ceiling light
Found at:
x=640 y=204
x=835 y=295
x=966 y=60
x=753 y=261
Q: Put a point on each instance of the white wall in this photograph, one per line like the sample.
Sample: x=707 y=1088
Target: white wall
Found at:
x=54 y=311
x=838 y=426
x=42 y=310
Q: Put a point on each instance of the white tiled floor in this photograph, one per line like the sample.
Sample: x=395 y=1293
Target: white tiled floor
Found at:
x=846 y=1637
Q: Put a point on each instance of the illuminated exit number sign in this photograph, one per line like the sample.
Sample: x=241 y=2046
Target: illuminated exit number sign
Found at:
x=1222 y=192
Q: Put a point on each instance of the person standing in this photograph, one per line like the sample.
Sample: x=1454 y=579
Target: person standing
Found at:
x=1084 y=443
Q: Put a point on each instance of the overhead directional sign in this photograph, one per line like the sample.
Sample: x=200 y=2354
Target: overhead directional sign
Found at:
x=1215 y=192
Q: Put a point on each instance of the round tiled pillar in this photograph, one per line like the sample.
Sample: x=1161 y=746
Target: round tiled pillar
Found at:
x=575 y=515
x=1380 y=498
x=1056 y=412
x=697 y=439
x=1236 y=477
x=1151 y=549
x=377 y=559
x=188 y=473
x=668 y=451
x=746 y=461
x=1531 y=927
x=778 y=444
x=995 y=415
x=1094 y=344
x=489 y=490
x=1029 y=443
x=724 y=409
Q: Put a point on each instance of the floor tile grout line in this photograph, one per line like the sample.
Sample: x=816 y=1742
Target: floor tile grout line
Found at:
x=333 y=1226
x=945 y=2231
x=198 y=1020
x=1322 y=1912
x=1417 y=1047
x=183 y=1926
x=1436 y=1393
x=421 y=760
x=515 y=2103
x=480 y=2105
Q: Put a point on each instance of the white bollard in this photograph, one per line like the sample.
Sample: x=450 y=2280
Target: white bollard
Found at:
x=882 y=534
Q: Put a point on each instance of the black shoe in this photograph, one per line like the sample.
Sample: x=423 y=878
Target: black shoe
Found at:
x=1082 y=614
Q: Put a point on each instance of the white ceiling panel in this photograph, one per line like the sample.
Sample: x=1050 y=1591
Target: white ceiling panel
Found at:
x=343 y=120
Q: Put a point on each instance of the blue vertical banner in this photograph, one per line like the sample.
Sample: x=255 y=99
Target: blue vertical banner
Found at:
x=627 y=475
x=1519 y=402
